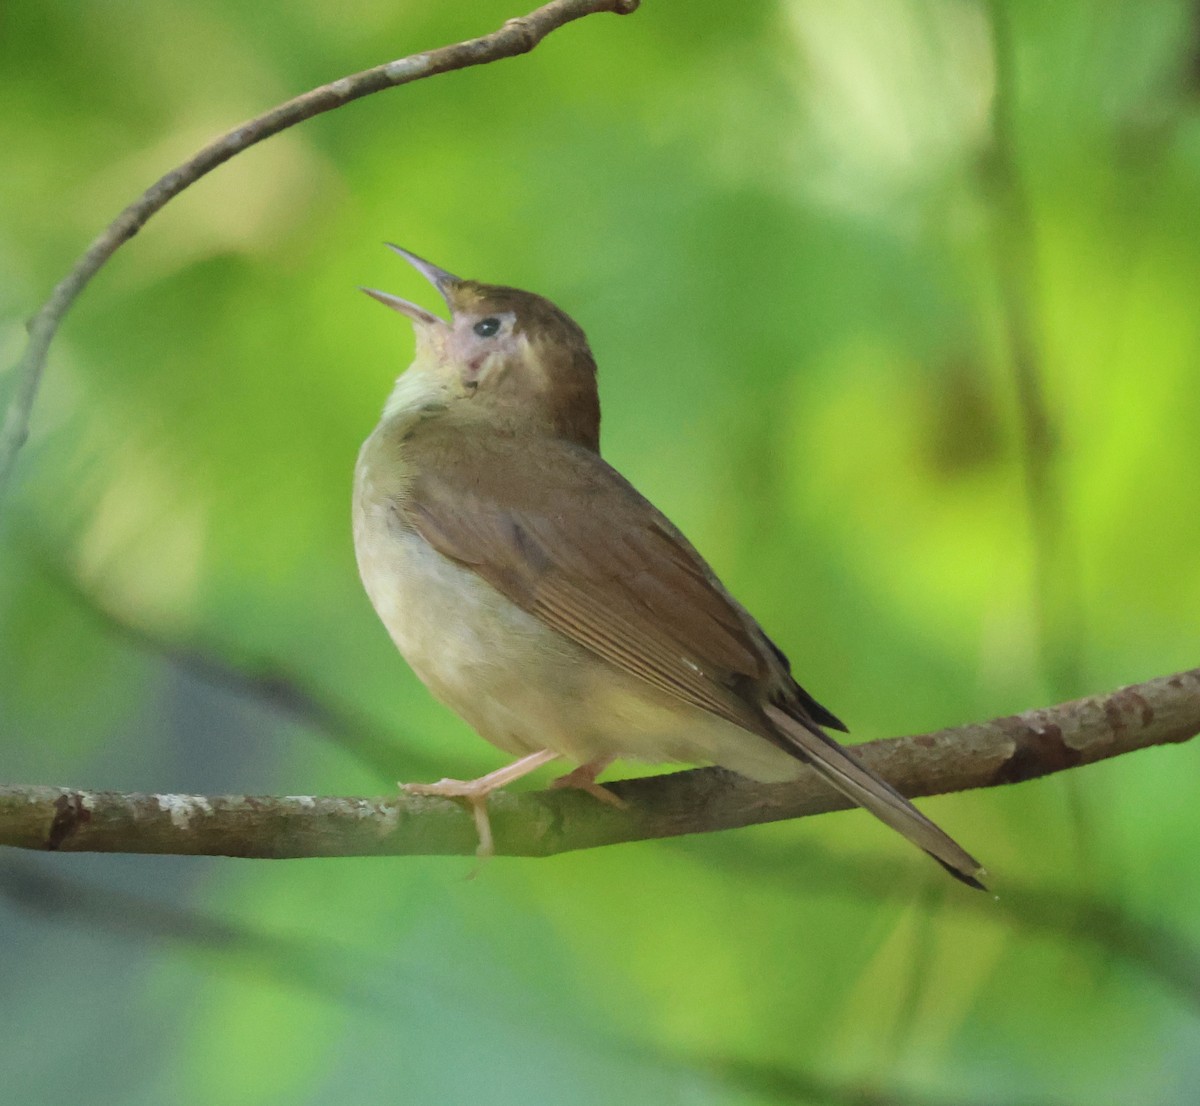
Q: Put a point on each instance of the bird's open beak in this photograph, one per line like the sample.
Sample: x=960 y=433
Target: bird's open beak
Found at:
x=439 y=278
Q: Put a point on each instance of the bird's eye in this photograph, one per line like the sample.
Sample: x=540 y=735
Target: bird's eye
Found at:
x=485 y=328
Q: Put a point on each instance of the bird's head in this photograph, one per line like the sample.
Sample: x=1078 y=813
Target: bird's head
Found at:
x=508 y=360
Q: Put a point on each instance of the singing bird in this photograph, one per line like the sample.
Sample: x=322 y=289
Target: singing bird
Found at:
x=538 y=595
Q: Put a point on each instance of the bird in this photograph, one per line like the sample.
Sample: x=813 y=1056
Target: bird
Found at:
x=542 y=598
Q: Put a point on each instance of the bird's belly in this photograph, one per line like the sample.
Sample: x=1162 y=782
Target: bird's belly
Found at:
x=509 y=676
x=523 y=686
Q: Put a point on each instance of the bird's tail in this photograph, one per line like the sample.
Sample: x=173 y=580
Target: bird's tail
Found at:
x=859 y=783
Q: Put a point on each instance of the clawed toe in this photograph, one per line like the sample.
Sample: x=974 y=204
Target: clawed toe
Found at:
x=447 y=789
x=476 y=792
x=583 y=778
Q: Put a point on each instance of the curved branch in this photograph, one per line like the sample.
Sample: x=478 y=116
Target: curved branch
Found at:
x=1004 y=750
x=517 y=36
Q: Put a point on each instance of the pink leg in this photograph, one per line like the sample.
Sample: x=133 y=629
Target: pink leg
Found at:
x=477 y=791
x=584 y=778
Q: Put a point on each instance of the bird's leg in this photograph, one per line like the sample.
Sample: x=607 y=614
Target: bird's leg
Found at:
x=477 y=791
x=584 y=779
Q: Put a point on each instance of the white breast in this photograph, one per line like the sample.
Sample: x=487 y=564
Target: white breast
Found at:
x=489 y=661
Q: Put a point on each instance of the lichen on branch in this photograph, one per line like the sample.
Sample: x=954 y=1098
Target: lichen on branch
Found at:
x=541 y=823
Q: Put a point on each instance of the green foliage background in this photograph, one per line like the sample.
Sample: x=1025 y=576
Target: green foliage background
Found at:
x=806 y=240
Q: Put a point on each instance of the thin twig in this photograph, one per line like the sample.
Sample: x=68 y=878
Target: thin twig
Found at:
x=1140 y=942
x=788 y=1085
x=987 y=754
x=517 y=36
x=1056 y=603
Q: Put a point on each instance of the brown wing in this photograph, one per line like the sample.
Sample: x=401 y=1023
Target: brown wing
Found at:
x=565 y=537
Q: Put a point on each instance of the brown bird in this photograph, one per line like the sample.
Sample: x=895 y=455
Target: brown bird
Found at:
x=542 y=598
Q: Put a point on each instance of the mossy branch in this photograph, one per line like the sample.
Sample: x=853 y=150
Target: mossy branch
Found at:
x=985 y=754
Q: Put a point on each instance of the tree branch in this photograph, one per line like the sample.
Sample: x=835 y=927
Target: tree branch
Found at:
x=1004 y=750
x=265 y=681
x=319 y=968
x=517 y=36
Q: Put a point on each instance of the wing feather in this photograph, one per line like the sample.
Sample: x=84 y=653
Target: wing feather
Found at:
x=582 y=550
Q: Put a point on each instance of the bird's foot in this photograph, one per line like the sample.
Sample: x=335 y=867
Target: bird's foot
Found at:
x=583 y=778
x=476 y=793
x=447 y=789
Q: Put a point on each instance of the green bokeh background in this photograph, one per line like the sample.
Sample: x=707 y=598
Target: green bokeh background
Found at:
x=807 y=241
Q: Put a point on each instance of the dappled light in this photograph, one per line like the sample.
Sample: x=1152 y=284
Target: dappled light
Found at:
x=895 y=312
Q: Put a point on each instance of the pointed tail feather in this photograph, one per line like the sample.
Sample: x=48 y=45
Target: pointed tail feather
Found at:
x=859 y=783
